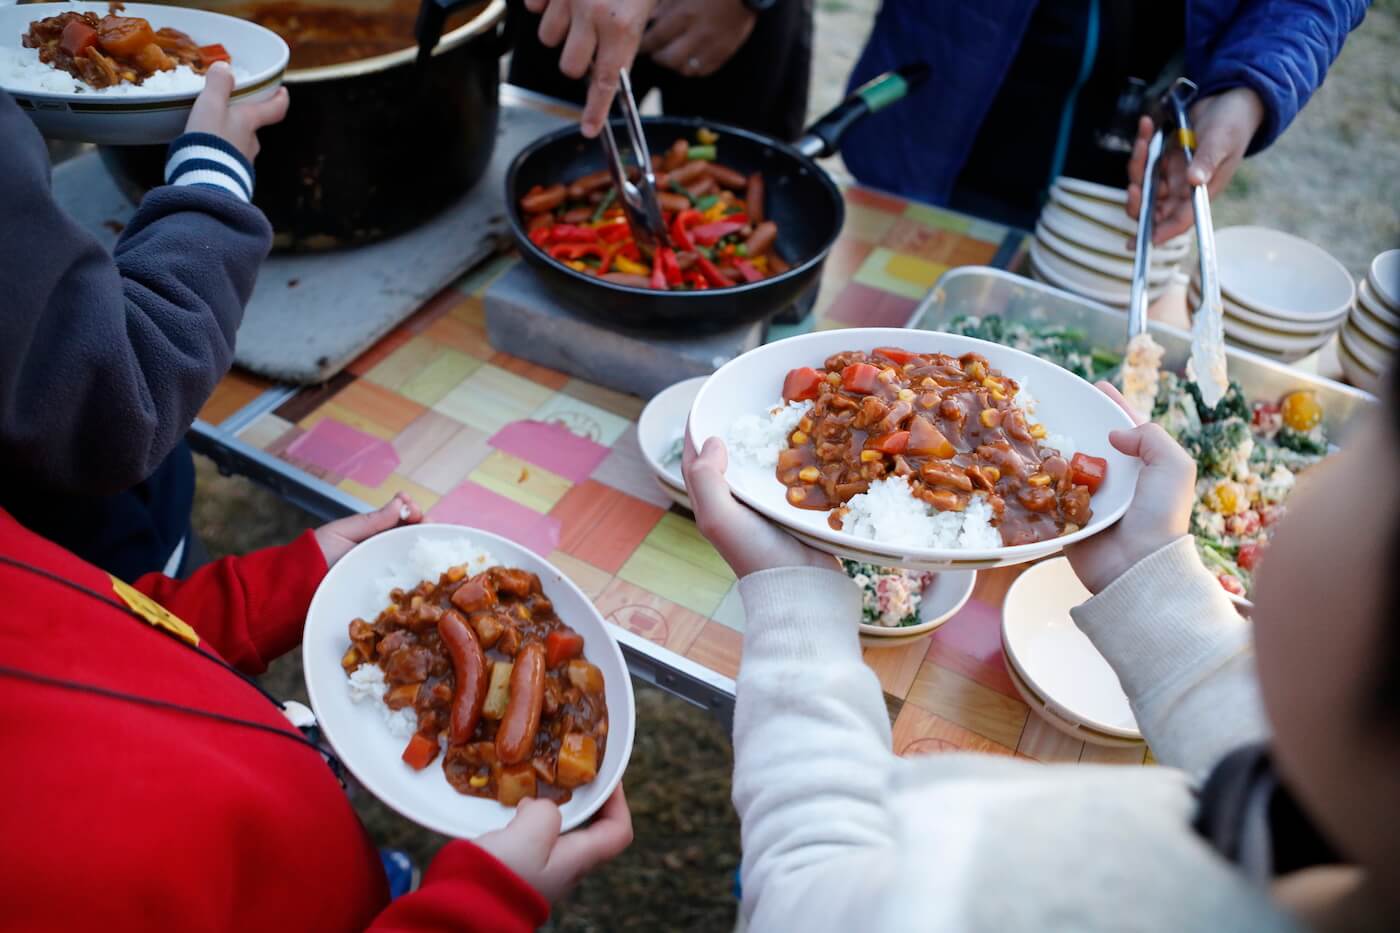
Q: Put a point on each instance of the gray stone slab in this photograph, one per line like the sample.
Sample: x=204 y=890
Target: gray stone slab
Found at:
x=525 y=319
x=313 y=313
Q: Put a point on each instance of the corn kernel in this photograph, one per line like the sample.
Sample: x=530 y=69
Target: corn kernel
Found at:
x=991 y=417
x=976 y=370
x=1038 y=432
x=992 y=474
x=906 y=395
x=834 y=378
x=798 y=437
x=456 y=573
x=1040 y=479
x=999 y=395
x=928 y=383
x=870 y=456
x=805 y=424
x=809 y=474
x=478 y=780
x=928 y=400
x=991 y=382
x=796 y=494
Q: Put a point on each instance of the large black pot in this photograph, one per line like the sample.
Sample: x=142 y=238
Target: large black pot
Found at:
x=369 y=148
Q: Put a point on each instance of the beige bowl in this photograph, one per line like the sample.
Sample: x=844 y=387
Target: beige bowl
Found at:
x=1282 y=275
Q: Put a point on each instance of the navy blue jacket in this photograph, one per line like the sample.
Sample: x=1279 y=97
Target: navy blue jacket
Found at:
x=106 y=360
x=1281 y=49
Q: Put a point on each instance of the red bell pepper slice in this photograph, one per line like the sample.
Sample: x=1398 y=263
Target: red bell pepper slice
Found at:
x=209 y=54
x=614 y=232
x=896 y=355
x=859 y=377
x=710 y=234
x=569 y=233
x=680 y=228
x=670 y=267
x=539 y=236
x=696 y=281
x=567 y=251
x=711 y=274
x=1088 y=471
x=658 y=275
x=748 y=270
x=802 y=384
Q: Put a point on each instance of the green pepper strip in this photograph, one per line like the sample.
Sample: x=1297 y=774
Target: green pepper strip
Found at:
x=603 y=205
x=706 y=153
x=678 y=189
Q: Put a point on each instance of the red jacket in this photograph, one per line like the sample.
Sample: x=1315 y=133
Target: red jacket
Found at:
x=122 y=816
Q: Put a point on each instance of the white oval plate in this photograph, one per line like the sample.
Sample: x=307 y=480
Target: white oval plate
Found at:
x=356 y=730
x=949 y=592
x=1057 y=661
x=663 y=423
x=753 y=383
x=259 y=59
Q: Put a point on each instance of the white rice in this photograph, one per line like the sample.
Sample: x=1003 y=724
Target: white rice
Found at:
x=21 y=70
x=757 y=439
x=367 y=685
x=889 y=513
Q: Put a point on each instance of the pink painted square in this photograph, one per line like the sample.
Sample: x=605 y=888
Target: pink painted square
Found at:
x=551 y=446
x=478 y=507
x=339 y=448
x=975 y=631
x=862 y=306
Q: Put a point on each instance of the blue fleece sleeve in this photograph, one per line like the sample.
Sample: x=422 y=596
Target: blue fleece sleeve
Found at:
x=1280 y=49
x=106 y=359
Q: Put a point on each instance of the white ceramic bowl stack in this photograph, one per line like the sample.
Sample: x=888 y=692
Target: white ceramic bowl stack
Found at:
x=1372 y=331
x=1083 y=244
x=1283 y=296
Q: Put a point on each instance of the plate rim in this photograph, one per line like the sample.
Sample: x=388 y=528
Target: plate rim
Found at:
x=925 y=628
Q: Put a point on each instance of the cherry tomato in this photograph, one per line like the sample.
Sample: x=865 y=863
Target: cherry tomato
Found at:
x=1088 y=471
x=1301 y=410
x=1231 y=584
x=1248 y=556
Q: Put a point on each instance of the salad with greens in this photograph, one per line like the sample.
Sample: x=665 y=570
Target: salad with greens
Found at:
x=1066 y=346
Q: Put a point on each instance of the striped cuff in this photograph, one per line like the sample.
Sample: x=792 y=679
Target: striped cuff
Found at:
x=209 y=161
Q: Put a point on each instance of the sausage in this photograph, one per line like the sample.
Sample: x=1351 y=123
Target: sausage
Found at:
x=676 y=155
x=546 y=199
x=626 y=278
x=577 y=215
x=539 y=221
x=687 y=173
x=670 y=201
x=753 y=197
x=703 y=187
x=726 y=176
x=469 y=666
x=516 y=737
x=579 y=188
x=761 y=240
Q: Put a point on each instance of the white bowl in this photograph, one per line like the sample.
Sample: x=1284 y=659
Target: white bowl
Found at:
x=1384 y=276
x=1366 y=348
x=1282 y=327
x=948 y=593
x=662 y=424
x=1379 y=332
x=1112 y=216
x=356 y=731
x=1090 y=235
x=1239 y=329
x=752 y=384
x=1092 y=190
x=1356 y=372
x=1118 y=269
x=259 y=60
x=1366 y=299
x=1085 y=282
x=1282 y=275
x=1057 y=661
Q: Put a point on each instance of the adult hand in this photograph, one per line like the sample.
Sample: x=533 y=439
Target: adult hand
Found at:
x=532 y=847
x=237 y=124
x=1224 y=125
x=604 y=33
x=1161 y=508
x=746 y=541
x=696 y=37
x=338 y=537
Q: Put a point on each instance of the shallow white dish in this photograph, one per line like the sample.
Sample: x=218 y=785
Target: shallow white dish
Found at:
x=1093 y=190
x=1112 y=216
x=1056 y=660
x=1367 y=300
x=1055 y=271
x=1282 y=275
x=356 y=731
x=661 y=424
x=752 y=384
x=1115 y=268
x=1090 y=235
x=259 y=59
x=949 y=592
x=1384 y=276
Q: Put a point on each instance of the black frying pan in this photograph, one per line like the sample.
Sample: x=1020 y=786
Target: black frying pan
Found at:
x=800 y=197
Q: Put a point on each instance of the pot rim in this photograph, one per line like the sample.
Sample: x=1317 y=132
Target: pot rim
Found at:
x=486 y=19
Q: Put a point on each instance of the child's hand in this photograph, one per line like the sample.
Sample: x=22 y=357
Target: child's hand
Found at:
x=239 y=123
x=1161 y=508
x=338 y=537
x=550 y=863
x=747 y=542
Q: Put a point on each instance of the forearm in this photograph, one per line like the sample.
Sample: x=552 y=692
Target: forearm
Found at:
x=811 y=741
x=1183 y=655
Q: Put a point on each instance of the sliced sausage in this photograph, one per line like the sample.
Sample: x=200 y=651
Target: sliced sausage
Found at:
x=687 y=173
x=676 y=155
x=762 y=238
x=626 y=278
x=545 y=199
x=726 y=177
x=670 y=201
x=580 y=188
x=469 y=667
x=516 y=737
x=753 y=197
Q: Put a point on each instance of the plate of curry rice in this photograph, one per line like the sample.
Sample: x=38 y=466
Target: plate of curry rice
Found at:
x=917 y=449
x=127 y=77
x=455 y=673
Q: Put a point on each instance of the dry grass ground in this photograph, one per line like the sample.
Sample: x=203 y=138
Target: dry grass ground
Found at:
x=1333 y=179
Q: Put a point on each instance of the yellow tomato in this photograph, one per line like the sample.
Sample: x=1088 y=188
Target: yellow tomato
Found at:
x=1301 y=410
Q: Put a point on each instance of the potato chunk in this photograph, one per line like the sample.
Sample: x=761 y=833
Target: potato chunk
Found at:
x=578 y=760
x=497 y=691
x=516 y=783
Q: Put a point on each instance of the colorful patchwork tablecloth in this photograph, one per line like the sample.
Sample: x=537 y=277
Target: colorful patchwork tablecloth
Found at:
x=493 y=441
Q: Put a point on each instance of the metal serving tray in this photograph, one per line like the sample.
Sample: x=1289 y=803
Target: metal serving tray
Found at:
x=982 y=291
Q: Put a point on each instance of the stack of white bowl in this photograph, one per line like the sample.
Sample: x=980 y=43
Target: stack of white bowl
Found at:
x=1372 y=332
x=1283 y=296
x=1083 y=244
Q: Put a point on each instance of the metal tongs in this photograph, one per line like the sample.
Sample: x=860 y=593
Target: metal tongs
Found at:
x=638 y=199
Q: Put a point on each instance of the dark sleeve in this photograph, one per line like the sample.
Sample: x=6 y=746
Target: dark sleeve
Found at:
x=1280 y=49
x=105 y=360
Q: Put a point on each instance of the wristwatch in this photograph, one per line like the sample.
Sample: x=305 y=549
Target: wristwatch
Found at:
x=760 y=6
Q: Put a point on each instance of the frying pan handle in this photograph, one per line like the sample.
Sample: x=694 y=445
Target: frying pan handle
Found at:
x=822 y=137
